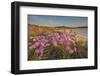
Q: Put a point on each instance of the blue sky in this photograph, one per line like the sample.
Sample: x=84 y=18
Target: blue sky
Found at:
x=57 y=20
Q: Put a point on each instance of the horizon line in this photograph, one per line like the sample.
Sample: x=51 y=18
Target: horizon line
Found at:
x=58 y=25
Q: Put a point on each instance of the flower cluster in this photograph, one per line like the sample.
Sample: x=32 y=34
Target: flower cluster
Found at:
x=39 y=43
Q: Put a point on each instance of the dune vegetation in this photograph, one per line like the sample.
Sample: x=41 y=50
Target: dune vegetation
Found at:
x=48 y=43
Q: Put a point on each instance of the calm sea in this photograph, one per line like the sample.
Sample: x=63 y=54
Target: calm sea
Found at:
x=81 y=31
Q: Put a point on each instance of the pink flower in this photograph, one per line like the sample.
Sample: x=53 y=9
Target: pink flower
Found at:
x=39 y=51
x=69 y=50
x=54 y=43
x=36 y=44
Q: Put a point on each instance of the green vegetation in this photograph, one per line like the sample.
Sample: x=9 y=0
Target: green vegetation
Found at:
x=51 y=52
